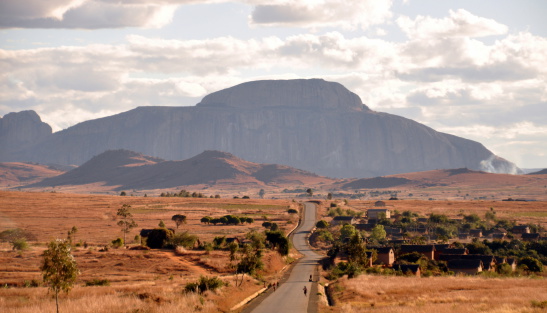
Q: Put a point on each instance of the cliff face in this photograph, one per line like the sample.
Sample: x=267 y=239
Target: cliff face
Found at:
x=313 y=125
x=21 y=129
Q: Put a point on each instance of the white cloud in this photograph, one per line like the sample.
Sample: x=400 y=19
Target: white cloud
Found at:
x=460 y=23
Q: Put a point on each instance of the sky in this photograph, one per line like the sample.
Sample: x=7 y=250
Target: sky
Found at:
x=475 y=69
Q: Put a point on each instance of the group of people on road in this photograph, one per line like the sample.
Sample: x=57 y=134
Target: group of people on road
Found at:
x=274 y=285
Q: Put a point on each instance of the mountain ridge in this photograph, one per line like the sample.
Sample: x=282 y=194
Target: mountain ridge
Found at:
x=123 y=169
x=336 y=138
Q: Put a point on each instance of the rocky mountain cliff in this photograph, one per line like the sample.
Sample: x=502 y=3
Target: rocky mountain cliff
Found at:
x=314 y=125
x=124 y=169
x=18 y=130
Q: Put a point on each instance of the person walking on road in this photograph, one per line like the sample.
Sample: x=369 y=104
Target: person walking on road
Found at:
x=305 y=291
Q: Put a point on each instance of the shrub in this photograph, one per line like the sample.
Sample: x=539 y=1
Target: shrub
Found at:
x=32 y=283
x=184 y=239
x=322 y=224
x=117 y=243
x=292 y=211
x=19 y=244
x=203 y=284
x=97 y=282
x=532 y=264
x=158 y=238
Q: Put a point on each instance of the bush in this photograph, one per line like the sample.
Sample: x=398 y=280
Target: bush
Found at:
x=97 y=282
x=19 y=244
x=32 y=283
x=532 y=264
x=184 y=239
x=159 y=237
x=203 y=284
x=411 y=257
x=292 y=211
x=117 y=243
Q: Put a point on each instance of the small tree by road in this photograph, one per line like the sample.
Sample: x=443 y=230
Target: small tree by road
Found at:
x=59 y=268
x=126 y=222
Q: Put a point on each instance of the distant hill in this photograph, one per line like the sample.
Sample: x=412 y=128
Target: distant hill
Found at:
x=441 y=178
x=124 y=169
x=310 y=124
x=14 y=174
x=542 y=172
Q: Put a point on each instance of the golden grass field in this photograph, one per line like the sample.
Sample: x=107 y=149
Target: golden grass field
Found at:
x=369 y=293
x=140 y=280
x=152 y=281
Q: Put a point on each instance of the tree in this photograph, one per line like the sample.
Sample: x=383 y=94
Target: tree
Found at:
x=378 y=232
x=71 y=234
x=309 y=191
x=533 y=264
x=126 y=222
x=322 y=224
x=159 y=237
x=179 y=219
x=329 y=196
x=347 y=231
x=261 y=193
x=206 y=219
x=123 y=194
x=161 y=224
x=59 y=268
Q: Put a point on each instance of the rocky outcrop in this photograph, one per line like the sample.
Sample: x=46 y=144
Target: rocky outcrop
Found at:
x=21 y=129
x=313 y=125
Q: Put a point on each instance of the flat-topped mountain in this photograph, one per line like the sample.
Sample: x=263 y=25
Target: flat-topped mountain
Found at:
x=313 y=125
x=124 y=169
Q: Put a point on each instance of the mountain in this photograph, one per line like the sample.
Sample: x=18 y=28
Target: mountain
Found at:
x=542 y=172
x=314 y=125
x=461 y=177
x=18 y=130
x=124 y=169
x=14 y=174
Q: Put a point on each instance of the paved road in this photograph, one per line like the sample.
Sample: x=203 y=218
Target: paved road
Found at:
x=289 y=297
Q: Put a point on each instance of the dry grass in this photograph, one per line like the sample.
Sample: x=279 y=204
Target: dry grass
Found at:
x=522 y=212
x=51 y=215
x=437 y=294
x=141 y=281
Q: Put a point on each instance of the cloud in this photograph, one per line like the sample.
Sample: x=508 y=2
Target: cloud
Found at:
x=87 y=14
x=460 y=23
x=323 y=13
x=96 y=14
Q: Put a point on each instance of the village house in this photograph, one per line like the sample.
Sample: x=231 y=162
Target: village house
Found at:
x=408 y=269
x=379 y=204
x=475 y=233
x=498 y=236
x=439 y=249
x=521 y=229
x=530 y=237
x=512 y=262
x=342 y=220
x=376 y=214
x=426 y=250
x=488 y=261
x=365 y=227
x=469 y=267
x=385 y=255
x=463 y=236
x=460 y=251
